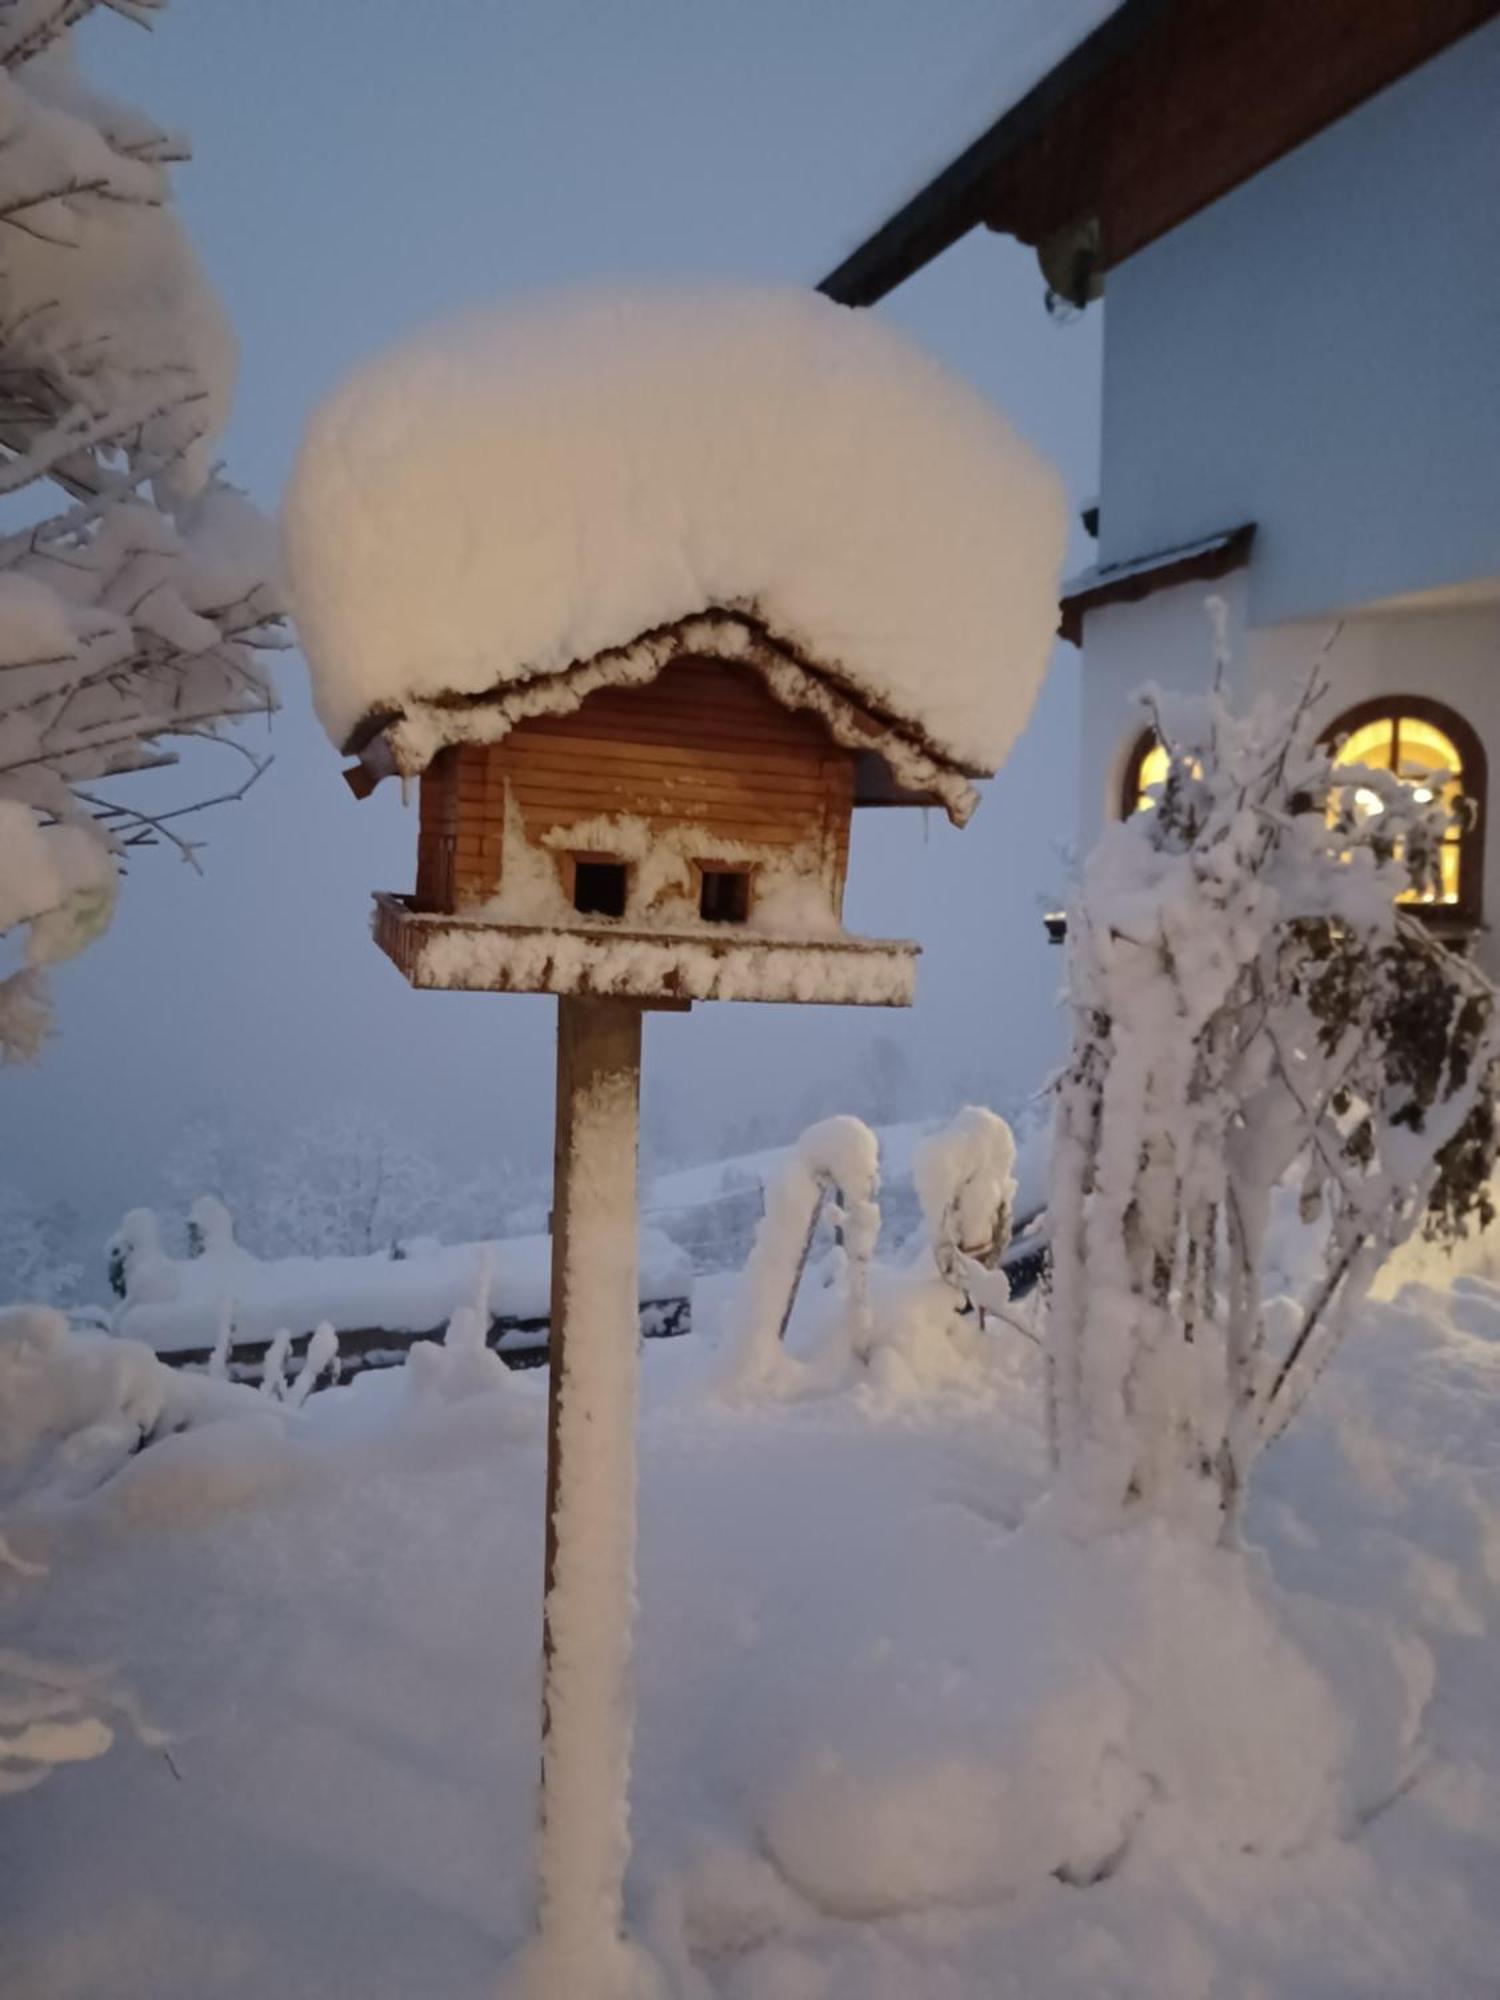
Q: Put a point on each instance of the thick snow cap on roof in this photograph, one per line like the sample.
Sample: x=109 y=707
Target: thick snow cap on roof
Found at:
x=520 y=490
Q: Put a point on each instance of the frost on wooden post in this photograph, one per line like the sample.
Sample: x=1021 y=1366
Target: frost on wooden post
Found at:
x=838 y=1162
x=584 y=1841
x=1250 y=1006
x=138 y=592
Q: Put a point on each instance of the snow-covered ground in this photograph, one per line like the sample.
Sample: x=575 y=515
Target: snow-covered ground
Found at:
x=897 y=1736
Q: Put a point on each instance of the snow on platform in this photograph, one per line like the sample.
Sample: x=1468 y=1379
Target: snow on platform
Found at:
x=477 y=954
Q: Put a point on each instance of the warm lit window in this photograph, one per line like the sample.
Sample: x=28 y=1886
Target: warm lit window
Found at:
x=1145 y=773
x=1424 y=744
x=1148 y=771
x=1437 y=754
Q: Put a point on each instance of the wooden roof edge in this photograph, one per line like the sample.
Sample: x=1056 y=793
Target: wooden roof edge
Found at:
x=1200 y=561
x=953 y=201
x=857 y=721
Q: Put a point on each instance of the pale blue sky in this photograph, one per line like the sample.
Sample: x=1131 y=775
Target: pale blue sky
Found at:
x=363 y=165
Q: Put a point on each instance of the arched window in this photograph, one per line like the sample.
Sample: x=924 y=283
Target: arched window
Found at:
x=1435 y=751
x=1422 y=742
x=1145 y=768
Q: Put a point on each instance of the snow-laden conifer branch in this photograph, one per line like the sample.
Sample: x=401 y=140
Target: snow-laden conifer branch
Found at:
x=141 y=609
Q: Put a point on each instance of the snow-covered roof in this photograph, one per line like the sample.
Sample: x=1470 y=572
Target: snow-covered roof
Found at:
x=513 y=494
x=1203 y=560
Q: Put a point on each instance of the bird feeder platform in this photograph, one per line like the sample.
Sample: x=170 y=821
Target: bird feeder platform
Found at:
x=436 y=950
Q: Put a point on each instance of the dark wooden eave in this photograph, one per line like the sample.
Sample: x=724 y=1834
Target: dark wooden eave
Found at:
x=1126 y=583
x=1167 y=107
x=956 y=201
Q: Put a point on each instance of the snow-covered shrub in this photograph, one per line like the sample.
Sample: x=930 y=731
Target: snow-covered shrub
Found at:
x=836 y=1162
x=137 y=590
x=74 y=1406
x=966 y=1184
x=138 y=1268
x=1249 y=1002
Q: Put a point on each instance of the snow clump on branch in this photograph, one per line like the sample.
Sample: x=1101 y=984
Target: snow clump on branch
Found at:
x=138 y=592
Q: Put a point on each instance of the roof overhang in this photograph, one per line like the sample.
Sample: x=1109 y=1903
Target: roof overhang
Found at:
x=1166 y=107
x=897 y=762
x=955 y=201
x=1126 y=582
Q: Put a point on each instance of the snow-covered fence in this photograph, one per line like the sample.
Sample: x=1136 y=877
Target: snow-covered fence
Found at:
x=376 y=1305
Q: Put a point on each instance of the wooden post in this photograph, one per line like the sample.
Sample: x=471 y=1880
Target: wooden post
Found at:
x=589 y=1603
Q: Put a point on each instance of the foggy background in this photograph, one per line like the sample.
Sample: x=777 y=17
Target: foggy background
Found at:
x=364 y=165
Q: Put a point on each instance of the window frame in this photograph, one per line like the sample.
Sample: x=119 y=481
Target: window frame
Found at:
x=1466 y=912
x=1128 y=802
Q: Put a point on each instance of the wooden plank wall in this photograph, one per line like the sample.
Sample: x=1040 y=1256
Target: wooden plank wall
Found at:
x=703 y=745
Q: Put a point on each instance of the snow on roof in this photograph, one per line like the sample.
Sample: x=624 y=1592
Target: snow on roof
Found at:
x=520 y=490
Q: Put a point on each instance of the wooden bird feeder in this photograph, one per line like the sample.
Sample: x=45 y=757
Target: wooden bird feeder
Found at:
x=644 y=822
x=667 y=822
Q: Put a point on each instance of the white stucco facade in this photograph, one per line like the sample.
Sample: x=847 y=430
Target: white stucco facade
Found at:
x=1318 y=353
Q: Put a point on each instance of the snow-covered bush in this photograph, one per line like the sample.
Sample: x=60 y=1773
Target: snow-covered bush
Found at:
x=74 y=1406
x=137 y=590
x=966 y=1184
x=836 y=1162
x=1249 y=1002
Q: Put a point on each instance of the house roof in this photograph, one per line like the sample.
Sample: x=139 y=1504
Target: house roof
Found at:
x=1166 y=106
x=512 y=506
x=1125 y=582
x=1081 y=38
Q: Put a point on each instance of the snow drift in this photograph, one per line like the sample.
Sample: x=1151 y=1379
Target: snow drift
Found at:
x=521 y=489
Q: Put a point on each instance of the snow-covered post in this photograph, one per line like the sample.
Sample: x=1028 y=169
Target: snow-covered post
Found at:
x=589 y=1606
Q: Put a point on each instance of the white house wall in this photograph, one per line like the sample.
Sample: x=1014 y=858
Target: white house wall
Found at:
x=1259 y=360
